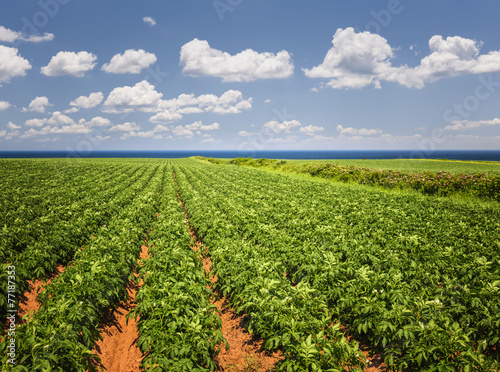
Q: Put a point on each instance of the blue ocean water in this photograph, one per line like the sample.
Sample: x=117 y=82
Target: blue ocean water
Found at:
x=490 y=155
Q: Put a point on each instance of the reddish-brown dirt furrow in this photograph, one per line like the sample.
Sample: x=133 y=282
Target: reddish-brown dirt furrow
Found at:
x=118 y=349
x=28 y=302
x=244 y=350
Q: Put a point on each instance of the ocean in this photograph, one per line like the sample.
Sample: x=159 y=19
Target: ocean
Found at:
x=484 y=155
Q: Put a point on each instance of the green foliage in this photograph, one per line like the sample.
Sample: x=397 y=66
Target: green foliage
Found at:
x=417 y=277
x=439 y=183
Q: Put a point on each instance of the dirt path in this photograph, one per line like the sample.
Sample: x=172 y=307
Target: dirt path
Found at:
x=118 y=349
x=243 y=353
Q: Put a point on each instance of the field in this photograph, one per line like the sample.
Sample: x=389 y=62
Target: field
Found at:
x=321 y=275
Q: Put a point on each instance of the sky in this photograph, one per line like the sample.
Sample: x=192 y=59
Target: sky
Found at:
x=88 y=75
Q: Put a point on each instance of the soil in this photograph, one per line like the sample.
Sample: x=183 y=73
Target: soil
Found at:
x=244 y=350
x=118 y=349
x=28 y=302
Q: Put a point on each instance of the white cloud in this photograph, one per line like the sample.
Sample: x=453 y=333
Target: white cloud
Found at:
x=35 y=123
x=244 y=133
x=165 y=117
x=181 y=131
x=58 y=118
x=126 y=127
x=161 y=128
x=230 y=102
x=267 y=101
x=71 y=129
x=199 y=59
x=467 y=124
x=98 y=121
x=85 y=102
x=70 y=63
x=143 y=134
x=142 y=96
x=130 y=62
x=149 y=21
x=4 y=105
x=213 y=126
x=38 y=104
x=208 y=140
x=34 y=132
x=311 y=130
x=13 y=126
x=9 y=36
x=71 y=110
x=319 y=138
x=360 y=59
x=11 y=64
x=357 y=132
x=283 y=127
x=354 y=61
x=198 y=125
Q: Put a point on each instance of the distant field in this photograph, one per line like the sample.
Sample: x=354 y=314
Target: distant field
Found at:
x=415 y=165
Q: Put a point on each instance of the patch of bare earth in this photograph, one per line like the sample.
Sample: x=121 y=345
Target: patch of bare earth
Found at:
x=244 y=350
x=28 y=303
x=118 y=349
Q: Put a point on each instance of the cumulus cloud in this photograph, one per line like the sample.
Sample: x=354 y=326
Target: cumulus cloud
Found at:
x=358 y=59
x=86 y=102
x=149 y=21
x=199 y=59
x=142 y=96
x=13 y=126
x=230 y=102
x=4 y=105
x=126 y=127
x=11 y=64
x=467 y=124
x=349 y=131
x=181 y=131
x=354 y=61
x=70 y=63
x=38 y=104
x=282 y=127
x=37 y=123
x=130 y=62
x=10 y=36
x=311 y=130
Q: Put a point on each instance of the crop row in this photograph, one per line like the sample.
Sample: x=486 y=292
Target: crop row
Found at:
x=57 y=242
x=418 y=277
x=33 y=188
x=61 y=334
x=179 y=327
x=291 y=318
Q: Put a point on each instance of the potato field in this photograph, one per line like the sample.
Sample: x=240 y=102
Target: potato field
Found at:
x=329 y=276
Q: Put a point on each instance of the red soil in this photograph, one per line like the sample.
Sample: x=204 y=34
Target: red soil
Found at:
x=28 y=302
x=244 y=350
x=118 y=349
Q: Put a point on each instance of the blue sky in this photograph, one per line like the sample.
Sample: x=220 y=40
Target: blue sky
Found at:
x=249 y=75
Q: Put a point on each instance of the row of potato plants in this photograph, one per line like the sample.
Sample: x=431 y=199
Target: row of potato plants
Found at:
x=179 y=327
x=46 y=246
x=60 y=336
x=293 y=319
x=418 y=277
x=60 y=203
x=32 y=188
x=441 y=183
